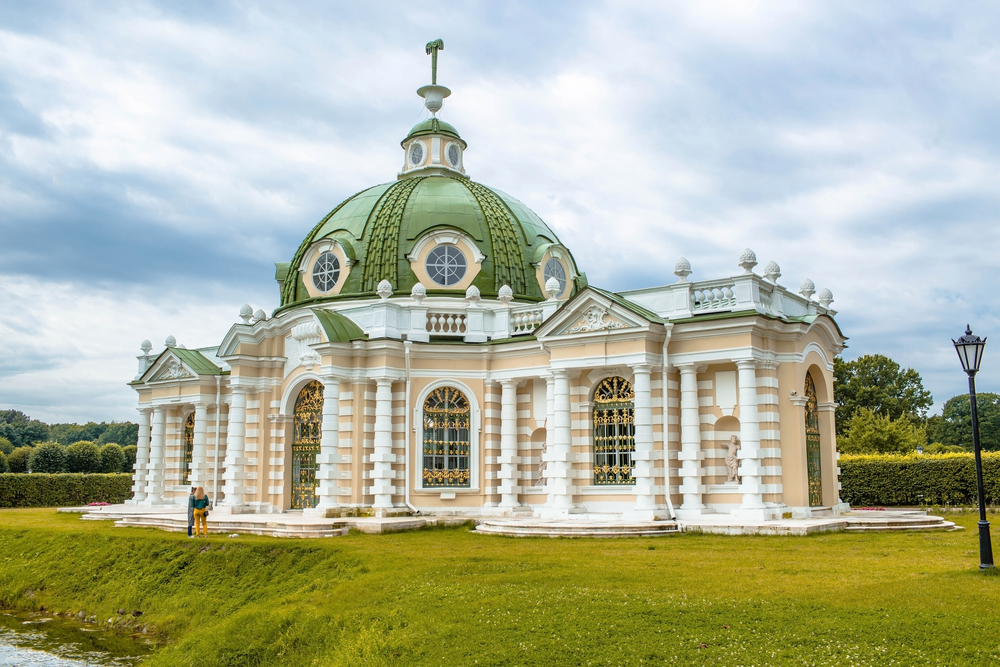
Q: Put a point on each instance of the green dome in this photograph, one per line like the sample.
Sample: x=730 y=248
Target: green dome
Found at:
x=432 y=126
x=378 y=228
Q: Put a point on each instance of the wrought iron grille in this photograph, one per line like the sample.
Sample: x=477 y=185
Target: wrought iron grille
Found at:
x=614 y=431
x=446 y=439
x=813 y=458
x=188 y=449
x=305 y=445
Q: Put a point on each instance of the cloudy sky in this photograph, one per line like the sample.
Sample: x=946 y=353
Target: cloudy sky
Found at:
x=156 y=159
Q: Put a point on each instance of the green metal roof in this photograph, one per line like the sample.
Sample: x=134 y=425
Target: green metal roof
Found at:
x=387 y=220
x=196 y=361
x=338 y=328
x=432 y=126
x=625 y=303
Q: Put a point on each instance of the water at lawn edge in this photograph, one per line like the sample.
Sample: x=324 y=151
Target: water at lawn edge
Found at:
x=30 y=639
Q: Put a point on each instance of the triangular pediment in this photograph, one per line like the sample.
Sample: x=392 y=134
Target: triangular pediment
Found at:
x=179 y=364
x=170 y=368
x=591 y=311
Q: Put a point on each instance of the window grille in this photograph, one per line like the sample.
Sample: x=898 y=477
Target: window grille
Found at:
x=188 y=449
x=446 y=439
x=305 y=446
x=813 y=456
x=614 y=432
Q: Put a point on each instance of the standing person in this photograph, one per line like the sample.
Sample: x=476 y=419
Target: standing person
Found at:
x=200 y=511
x=191 y=512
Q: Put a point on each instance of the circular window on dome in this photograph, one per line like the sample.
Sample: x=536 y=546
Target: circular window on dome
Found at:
x=446 y=265
x=416 y=153
x=454 y=155
x=554 y=269
x=326 y=271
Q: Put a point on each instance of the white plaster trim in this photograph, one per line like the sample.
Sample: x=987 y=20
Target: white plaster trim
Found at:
x=446 y=237
x=418 y=434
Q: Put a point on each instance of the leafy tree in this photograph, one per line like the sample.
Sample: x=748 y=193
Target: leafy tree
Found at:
x=6 y=446
x=955 y=424
x=48 y=457
x=3 y=463
x=938 y=448
x=869 y=432
x=18 y=459
x=130 y=452
x=877 y=383
x=112 y=458
x=70 y=433
x=21 y=429
x=83 y=456
x=122 y=433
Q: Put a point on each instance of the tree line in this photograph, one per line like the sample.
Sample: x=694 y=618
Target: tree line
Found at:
x=30 y=445
x=882 y=408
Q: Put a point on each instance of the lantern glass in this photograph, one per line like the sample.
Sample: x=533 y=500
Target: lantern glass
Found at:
x=970 y=351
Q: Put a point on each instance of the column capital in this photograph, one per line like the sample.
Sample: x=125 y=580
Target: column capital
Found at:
x=239 y=389
x=510 y=382
x=560 y=373
x=690 y=367
x=746 y=364
x=798 y=400
x=145 y=410
x=641 y=368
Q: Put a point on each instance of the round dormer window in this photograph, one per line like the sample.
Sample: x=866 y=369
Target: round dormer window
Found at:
x=446 y=265
x=416 y=154
x=454 y=156
x=326 y=272
x=554 y=269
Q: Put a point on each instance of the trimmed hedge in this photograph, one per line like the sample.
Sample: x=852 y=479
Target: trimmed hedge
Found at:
x=939 y=479
x=63 y=490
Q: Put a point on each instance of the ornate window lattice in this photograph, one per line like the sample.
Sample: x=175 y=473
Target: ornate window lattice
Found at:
x=188 y=449
x=326 y=272
x=614 y=431
x=446 y=439
x=813 y=457
x=416 y=153
x=305 y=446
x=554 y=269
x=446 y=265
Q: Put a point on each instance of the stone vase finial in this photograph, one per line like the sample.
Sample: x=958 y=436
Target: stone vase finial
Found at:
x=825 y=297
x=807 y=288
x=146 y=346
x=259 y=315
x=418 y=293
x=505 y=295
x=472 y=295
x=772 y=272
x=552 y=288
x=682 y=269
x=170 y=341
x=246 y=312
x=384 y=289
x=748 y=260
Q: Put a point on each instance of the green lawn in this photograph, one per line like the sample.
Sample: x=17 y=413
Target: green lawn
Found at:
x=450 y=597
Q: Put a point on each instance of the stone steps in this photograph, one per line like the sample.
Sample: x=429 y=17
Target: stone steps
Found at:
x=889 y=525
x=576 y=529
x=226 y=526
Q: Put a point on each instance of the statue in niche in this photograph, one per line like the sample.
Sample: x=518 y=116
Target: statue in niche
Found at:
x=733 y=463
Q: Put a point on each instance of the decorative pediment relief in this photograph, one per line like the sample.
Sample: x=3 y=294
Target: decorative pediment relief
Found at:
x=595 y=318
x=171 y=369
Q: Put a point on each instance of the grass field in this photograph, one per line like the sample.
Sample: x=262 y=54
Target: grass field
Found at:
x=450 y=597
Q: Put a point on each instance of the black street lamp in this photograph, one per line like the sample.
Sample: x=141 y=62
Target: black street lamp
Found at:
x=970 y=353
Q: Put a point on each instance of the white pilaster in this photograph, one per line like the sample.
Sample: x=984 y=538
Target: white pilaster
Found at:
x=156 y=468
x=235 y=443
x=328 y=458
x=751 y=472
x=559 y=457
x=141 y=459
x=643 y=457
x=691 y=454
x=508 y=445
x=383 y=458
x=199 y=444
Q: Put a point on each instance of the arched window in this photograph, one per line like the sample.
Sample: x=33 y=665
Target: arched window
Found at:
x=305 y=446
x=188 y=449
x=614 y=431
x=813 y=457
x=446 y=439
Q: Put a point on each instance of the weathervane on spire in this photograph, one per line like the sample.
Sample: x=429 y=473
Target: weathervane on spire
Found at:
x=434 y=94
x=432 y=51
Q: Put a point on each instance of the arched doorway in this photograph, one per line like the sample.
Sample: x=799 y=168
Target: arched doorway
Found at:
x=305 y=445
x=447 y=446
x=813 y=456
x=188 y=449
x=614 y=432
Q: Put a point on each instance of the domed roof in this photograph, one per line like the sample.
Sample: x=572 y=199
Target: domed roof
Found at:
x=378 y=228
x=432 y=125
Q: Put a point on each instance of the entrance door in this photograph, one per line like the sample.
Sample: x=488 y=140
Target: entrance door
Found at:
x=813 y=458
x=305 y=446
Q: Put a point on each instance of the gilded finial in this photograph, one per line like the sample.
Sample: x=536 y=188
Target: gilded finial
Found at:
x=432 y=51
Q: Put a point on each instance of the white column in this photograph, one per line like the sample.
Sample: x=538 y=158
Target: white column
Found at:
x=235 y=443
x=643 y=457
x=199 y=448
x=691 y=454
x=550 y=428
x=141 y=459
x=508 y=445
x=328 y=458
x=752 y=506
x=559 y=457
x=383 y=458
x=155 y=469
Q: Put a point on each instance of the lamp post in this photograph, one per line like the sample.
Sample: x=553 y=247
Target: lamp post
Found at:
x=970 y=353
